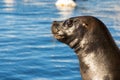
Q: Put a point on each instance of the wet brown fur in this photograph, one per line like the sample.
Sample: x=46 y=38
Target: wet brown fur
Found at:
x=97 y=52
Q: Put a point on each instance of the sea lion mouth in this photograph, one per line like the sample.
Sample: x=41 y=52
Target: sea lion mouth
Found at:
x=58 y=36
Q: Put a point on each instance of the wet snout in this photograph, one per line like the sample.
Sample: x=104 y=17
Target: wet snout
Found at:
x=56 y=26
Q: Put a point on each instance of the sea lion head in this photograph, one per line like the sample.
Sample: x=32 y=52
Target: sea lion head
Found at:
x=73 y=30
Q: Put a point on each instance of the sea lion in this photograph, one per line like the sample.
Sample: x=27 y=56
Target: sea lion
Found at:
x=97 y=52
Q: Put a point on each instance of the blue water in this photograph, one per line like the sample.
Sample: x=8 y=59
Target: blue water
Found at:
x=28 y=50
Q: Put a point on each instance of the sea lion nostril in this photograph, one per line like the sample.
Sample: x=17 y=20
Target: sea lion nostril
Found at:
x=55 y=24
x=54 y=21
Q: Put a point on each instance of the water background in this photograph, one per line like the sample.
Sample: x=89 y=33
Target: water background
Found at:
x=28 y=50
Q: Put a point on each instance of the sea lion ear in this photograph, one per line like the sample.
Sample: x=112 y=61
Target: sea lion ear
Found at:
x=85 y=25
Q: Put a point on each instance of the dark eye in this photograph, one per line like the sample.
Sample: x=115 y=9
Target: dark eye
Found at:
x=69 y=23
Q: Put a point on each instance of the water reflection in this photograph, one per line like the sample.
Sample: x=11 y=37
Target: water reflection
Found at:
x=65 y=14
x=34 y=2
x=117 y=19
x=9 y=5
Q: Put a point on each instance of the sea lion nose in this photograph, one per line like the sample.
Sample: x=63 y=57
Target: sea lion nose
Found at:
x=55 y=23
x=55 y=26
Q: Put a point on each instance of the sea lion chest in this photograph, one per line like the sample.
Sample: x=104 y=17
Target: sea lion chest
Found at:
x=94 y=68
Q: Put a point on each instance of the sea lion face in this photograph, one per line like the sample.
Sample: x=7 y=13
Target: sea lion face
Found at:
x=69 y=30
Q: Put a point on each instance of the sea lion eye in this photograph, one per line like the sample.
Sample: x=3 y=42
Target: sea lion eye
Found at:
x=69 y=23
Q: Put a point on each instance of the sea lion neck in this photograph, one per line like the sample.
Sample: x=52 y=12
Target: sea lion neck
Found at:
x=74 y=43
x=90 y=43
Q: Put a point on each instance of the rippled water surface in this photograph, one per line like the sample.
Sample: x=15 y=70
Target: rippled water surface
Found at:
x=28 y=50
